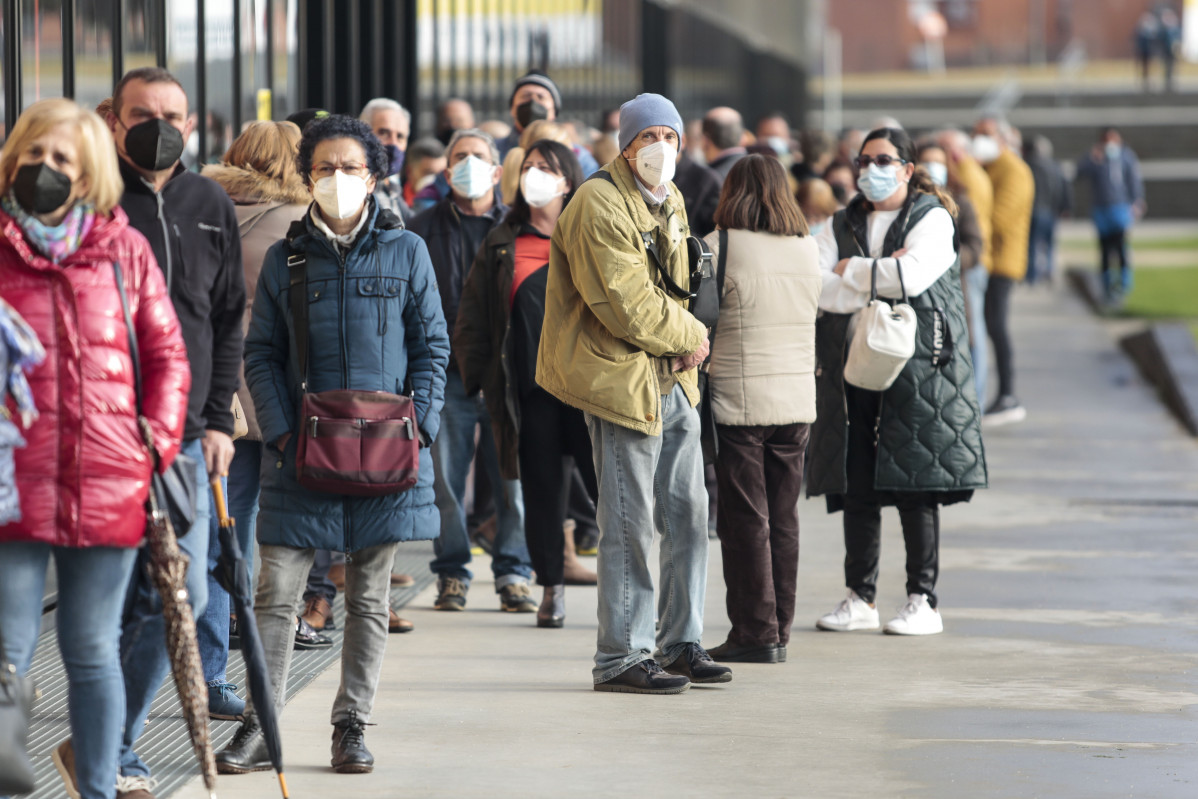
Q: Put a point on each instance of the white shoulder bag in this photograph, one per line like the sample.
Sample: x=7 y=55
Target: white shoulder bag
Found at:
x=884 y=339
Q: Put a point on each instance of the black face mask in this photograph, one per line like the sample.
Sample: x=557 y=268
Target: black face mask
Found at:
x=40 y=189
x=529 y=112
x=153 y=145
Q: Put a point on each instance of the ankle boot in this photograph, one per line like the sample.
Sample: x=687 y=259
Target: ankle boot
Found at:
x=572 y=569
x=552 y=612
x=350 y=755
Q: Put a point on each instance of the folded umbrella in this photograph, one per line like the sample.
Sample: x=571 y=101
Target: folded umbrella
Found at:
x=233 y=575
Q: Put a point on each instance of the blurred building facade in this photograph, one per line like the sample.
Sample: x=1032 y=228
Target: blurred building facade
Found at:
x=247 y=59
x=884 y=35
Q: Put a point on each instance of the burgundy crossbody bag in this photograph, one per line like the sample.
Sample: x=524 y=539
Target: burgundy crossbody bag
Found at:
x=363 y=443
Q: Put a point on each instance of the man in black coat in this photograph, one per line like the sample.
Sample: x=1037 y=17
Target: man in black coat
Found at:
x=700 y=187
x=192 y=228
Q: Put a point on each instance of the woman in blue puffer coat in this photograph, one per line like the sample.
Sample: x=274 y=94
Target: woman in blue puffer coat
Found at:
x=375 y=324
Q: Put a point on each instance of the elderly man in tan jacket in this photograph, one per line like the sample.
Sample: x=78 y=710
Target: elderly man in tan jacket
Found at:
x=620 y=345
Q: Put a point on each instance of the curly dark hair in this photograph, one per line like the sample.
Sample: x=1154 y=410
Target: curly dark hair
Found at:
x=337 y=126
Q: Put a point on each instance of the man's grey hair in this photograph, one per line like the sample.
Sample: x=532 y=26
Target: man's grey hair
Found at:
x=473 y=133
x=383 y=104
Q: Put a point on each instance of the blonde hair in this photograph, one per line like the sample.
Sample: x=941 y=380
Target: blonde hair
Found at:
x=97 y=152
x=269 y=148
x=816 y=198
x=509 y=184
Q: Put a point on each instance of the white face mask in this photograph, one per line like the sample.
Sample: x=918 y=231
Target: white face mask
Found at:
x=655 y=164
x=340 y=196
x=986 y=149
x=472 y=177
x=540 y=187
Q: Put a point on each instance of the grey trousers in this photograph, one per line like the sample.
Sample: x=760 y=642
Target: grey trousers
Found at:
x=281 y=583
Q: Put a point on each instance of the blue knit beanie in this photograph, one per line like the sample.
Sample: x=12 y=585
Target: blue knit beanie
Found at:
x=646 y=111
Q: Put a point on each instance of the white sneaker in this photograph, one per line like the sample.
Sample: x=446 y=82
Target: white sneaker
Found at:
x=916 y=617
x=854 y=613
x=126 y=785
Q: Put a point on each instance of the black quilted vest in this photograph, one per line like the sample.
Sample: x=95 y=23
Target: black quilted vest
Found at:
x=929 y=434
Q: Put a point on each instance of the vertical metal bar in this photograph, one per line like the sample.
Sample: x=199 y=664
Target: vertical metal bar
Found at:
x=68 y=48
x=270 y=52
x=453 y=48
x=328 y=17
x=436 y=51
x=202 y=81
x=159 y=35
x=410 y=67
x=238 y=97
x=379 y=84
x=117 y=32
x=353 y=40
x=12 y=63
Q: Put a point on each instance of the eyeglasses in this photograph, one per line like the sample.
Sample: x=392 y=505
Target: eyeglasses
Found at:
x=327 y=170
x=882 y=160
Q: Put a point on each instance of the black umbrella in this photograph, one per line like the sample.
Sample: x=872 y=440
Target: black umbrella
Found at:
x=233 y=576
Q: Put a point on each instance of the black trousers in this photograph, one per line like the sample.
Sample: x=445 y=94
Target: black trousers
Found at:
x=998 y=312
x=551 y=433
x=1114 y=252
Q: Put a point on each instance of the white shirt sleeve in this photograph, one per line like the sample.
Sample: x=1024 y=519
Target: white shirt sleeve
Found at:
x=929 y=255
x=836 y=296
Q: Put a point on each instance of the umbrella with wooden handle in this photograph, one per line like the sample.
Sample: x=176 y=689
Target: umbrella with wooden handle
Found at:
x=233 y=575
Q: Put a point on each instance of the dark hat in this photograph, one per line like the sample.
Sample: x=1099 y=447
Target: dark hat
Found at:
x=301 y=118
x=540 y=79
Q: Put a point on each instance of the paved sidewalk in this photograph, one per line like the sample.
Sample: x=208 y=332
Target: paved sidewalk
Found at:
x=1070 y=596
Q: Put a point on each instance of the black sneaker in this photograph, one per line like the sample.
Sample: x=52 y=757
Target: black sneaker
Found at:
x=246 y=752
x=350 y=755
x=306 y=638
x=697 y=666
x=645 y=677
x=1005 y=410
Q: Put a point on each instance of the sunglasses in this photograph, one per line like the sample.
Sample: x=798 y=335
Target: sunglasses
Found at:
x=883 y=160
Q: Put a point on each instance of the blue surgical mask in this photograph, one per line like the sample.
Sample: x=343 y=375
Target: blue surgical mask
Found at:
x=937 y=171
x=395 y=159
x=879 y=182
x=818 y=227
x=1113 y=151
x=472 y=177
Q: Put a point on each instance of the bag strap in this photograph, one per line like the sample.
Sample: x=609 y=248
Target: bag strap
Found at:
x=721 y=263
x=134 y=356
x=873 y=280
x=297 y=268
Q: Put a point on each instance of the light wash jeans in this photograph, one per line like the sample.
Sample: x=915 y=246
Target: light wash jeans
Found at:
x=976 y=281
x=91 y=590
x=144 y=660
x=647 y=484
x=241 y=492
x=367 y=597
x=453 y=451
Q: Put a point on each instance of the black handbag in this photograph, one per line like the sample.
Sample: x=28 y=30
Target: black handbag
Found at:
x=707 y=433
x=175 y=489
x=16 y=704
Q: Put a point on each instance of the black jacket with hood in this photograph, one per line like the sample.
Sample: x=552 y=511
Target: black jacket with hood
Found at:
x=192 y=228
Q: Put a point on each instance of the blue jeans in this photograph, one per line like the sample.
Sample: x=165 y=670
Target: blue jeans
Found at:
x=91 y=585
x=976 y=280
x=1041 y=246
x=452 y=453
x=241 y=492
x=143 y=636
x=649 y=483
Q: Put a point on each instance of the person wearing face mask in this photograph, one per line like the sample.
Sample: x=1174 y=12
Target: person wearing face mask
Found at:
x=818 y=203
x=83 y=473
x=1113 y=173
x=869 y=449
x=191 y=225
x=454 y=230
x=392 y=124
x=496 y=338
x=625 y=351
x=375 y=324
x=535 y=96
x=1010 y=226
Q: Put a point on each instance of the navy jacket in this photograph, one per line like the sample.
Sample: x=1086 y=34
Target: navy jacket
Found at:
x=375 y=324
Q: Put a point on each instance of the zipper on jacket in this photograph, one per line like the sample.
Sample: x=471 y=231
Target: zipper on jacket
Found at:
x=166 y=237
x=345 y=524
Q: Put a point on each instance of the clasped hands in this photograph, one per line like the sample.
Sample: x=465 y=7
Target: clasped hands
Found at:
x=684 y=363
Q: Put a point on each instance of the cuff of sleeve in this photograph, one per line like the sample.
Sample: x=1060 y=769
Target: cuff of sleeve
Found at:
x=857 y=273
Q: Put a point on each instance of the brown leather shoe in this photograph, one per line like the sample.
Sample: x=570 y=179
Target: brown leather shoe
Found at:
x=318 y=613
x=402 y=580
x=397 y=625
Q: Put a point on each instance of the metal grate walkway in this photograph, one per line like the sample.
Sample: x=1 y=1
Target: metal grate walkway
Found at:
x=165 y=744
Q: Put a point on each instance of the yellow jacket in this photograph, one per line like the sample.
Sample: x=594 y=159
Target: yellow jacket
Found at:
x=1014 y=192
x=976 y=185
x=605 y=311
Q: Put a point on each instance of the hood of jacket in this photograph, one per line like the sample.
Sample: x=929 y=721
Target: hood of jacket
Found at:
x=247 y=186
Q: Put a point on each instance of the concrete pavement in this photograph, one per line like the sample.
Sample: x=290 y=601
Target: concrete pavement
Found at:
x=1067 y=668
